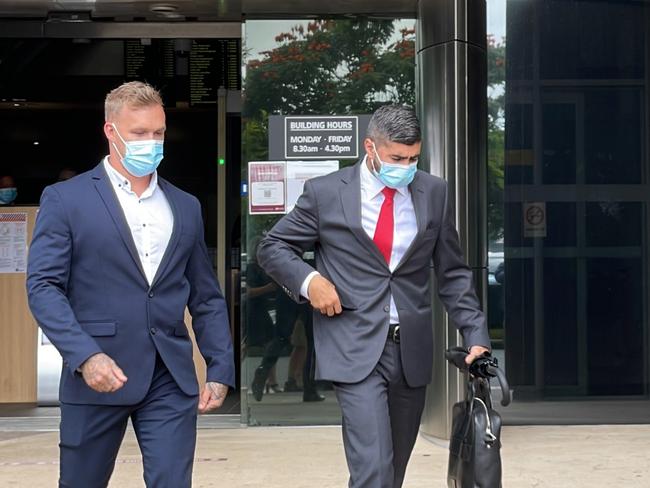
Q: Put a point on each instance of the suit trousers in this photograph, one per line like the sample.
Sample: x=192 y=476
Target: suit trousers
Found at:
x=381 y=419
x=165 y=426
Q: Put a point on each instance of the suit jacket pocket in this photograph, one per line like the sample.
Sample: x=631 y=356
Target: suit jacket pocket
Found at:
x=100 y=329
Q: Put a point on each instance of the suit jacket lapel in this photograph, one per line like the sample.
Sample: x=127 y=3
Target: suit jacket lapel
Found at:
x=176 y=230
x=418 y=195
x=351 y=201
x=107 y=194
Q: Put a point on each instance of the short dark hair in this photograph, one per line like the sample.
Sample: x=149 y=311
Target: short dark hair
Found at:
x=394 y=123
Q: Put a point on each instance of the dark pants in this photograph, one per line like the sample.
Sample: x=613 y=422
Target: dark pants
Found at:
x=165 y=426
x=381 y=419
x=279 y=343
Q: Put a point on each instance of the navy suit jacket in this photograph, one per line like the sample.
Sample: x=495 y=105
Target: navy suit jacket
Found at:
x=88 y=292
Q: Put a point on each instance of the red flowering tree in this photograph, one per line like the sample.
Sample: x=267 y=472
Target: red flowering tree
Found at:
x=332 y=66
x=338 y=67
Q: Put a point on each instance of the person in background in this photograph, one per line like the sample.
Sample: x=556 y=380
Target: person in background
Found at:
x=298 y=356
x=8 y=190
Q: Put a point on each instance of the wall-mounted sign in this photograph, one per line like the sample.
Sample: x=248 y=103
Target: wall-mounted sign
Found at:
x=275 y=186
x=323 y=137
x=13 y=242
x=185 y=70
x=534 y=219
x=266 y=186
x=298 y=172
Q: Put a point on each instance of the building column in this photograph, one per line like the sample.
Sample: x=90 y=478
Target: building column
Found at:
x=451 y=64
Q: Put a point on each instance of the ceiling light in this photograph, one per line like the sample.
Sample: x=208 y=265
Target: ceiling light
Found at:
x=164 y=8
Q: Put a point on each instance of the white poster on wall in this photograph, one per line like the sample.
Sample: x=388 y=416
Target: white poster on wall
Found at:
x=298 y=172
x=13 y=242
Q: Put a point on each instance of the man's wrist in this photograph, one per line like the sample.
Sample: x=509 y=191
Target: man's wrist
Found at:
x=304 y=289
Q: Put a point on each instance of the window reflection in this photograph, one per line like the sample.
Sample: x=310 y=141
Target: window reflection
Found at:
x=574 y=139
x=304 y=67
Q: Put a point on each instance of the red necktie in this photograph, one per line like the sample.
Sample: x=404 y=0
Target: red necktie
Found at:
x=384 y=230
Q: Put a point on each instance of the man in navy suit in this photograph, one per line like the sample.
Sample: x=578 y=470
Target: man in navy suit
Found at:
x=117 y=255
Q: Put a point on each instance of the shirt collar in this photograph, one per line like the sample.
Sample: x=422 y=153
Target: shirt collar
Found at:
x=118 y=180
x=371 y=184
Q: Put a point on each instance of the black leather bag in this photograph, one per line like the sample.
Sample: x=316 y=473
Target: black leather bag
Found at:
x=475 y=445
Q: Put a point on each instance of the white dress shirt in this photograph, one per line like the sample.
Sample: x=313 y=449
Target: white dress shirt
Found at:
x=149 y=216
x=405 y=224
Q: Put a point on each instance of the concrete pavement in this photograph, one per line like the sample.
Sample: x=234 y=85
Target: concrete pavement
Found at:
x=301 y=457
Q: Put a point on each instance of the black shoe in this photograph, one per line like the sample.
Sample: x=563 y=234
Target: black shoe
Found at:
x=312 y=396
x=258 y=383
x=291 y=386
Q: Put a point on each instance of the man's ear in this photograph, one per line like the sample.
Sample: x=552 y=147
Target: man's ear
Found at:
x=109 y=131
x=370 y=153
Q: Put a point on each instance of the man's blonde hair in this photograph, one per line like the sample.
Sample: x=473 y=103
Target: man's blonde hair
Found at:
x=135 y=94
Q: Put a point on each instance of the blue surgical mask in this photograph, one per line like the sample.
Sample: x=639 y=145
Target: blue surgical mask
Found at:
x=141 y=157
x=7 y=195
x=395 y=175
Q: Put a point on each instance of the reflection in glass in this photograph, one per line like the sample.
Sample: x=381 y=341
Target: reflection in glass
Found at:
x=304 y=67
x=575 y=136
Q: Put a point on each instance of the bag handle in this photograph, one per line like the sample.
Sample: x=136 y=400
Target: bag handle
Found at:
x=484 y=366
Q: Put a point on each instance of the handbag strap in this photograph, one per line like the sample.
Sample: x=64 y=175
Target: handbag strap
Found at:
x=489 y=435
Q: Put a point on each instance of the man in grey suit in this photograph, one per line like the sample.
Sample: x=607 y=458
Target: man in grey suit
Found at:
x=377 y=227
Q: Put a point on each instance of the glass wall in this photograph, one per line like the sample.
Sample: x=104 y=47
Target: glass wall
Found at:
x=568 y=197
x=296 y=68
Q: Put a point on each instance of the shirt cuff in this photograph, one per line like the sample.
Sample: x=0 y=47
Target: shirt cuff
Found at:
x=304 y=289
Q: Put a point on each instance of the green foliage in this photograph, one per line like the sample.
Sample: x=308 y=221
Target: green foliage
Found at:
x=332 y=67
x=349 y=66
x=496 y=136
x=337 y=67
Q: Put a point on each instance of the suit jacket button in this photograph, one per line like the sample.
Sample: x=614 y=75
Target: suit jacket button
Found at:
x=387 y=308
x=150 y=294
x=153 y=331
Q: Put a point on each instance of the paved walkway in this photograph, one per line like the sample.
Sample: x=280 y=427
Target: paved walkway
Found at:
x=270 y=457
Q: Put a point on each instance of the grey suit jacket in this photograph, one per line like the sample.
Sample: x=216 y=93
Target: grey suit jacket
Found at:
x=348 y=346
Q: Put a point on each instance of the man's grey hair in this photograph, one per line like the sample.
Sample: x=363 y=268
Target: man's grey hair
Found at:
x=394 y=123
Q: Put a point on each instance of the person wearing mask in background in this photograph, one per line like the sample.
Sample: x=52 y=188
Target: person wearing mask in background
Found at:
x=8 y=191
x=117 y=255
x=376 y=227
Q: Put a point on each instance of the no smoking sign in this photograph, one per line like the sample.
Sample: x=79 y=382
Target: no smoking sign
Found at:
x=534 y=219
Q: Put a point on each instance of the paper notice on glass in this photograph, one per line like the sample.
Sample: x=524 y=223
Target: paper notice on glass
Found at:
x=266 y=187
x=13 y=242
x=298 y=172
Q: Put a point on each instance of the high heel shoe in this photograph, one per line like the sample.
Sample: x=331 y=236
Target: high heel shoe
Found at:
x=272 y=388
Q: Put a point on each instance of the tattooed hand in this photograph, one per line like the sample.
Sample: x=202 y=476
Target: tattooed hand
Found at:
x=212 y=396
x=102 y=374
